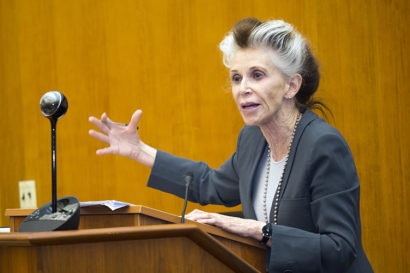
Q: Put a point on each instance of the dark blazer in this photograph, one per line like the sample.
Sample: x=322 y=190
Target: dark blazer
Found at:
x=318 y=218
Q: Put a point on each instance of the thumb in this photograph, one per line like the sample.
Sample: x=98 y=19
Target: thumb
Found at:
x=135 y=119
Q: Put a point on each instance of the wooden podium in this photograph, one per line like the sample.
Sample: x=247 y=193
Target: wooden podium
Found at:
x=131 y=239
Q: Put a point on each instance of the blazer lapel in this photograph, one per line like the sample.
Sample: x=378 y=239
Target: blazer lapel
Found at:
x=307 y=118
x=252 y=156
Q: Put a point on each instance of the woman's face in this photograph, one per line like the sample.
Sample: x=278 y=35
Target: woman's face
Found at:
x=258 y=87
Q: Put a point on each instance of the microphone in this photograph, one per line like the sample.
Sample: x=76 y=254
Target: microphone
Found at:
x=53 y=105
x=64 y=213
x=188 y=177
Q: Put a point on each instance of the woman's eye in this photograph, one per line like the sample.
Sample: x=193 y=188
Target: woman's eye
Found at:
x=257 y=75
x=236 y=78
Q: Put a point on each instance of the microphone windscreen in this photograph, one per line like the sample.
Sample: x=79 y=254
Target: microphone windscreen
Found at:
x=53 y=104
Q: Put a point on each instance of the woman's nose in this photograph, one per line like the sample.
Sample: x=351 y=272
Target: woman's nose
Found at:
x=245 y=87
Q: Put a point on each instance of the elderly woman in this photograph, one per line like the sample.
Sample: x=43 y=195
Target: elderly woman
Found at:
x=292 y=172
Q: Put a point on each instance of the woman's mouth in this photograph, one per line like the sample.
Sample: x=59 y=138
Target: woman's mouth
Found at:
x=249 y=108
x=249 y=105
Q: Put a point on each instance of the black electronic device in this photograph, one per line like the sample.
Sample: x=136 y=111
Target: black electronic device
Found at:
x=64 y=213
x=66 y=217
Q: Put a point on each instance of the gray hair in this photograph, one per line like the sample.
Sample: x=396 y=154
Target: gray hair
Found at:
x=287 y=44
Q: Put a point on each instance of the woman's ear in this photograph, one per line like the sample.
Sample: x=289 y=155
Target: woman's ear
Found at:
x=294 y=82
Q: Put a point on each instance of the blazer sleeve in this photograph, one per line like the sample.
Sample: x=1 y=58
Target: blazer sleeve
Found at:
x=209 y=186
x=334 y=207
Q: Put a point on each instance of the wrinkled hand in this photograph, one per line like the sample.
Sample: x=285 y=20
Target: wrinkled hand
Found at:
x=122 y=140
x=243 y=227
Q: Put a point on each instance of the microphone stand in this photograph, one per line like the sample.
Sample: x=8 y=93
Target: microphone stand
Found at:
x=53 y=122
x=187 y=178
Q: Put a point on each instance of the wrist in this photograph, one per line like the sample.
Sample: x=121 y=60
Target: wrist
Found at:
x=144 y=154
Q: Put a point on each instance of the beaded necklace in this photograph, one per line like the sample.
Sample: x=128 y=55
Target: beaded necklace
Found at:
x=265 y=193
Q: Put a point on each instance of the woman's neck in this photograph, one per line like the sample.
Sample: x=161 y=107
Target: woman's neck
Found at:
x=278 y=133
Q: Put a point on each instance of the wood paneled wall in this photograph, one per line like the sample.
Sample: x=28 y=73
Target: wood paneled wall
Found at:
x=162 y=56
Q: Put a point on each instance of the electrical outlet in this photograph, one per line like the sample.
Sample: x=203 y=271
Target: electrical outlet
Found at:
x=28 y=198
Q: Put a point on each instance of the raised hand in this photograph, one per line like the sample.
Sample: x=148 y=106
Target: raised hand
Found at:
x=123 y=140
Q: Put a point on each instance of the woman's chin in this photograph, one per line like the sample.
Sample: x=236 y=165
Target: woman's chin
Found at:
x=251 y=122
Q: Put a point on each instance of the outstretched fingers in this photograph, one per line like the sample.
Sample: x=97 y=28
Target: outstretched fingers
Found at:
x=99 y=124
x=104 y=151
x=100 y=136
x=123 y=139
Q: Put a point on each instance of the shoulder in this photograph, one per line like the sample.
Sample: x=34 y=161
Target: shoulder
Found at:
x=316 y=132
x=319 y=143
